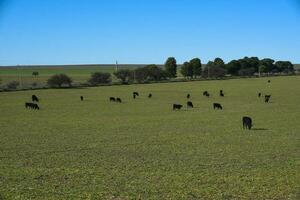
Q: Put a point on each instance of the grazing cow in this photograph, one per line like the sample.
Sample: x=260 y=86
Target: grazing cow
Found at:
x=136 y=93
x=150 y=95
x=177 y=106
x=28 y=105
x=267 y=98
x=188 y=96
x=112 y=99
x=205 y=93
x=32 y=106
x=34 y=98
x=217 y=106
x=259 y=95
x=119 y=100
x=269 y=81
x=189 y=104
x=81 y=98
x=247 y=123
x=221 y=93
x=35 y=107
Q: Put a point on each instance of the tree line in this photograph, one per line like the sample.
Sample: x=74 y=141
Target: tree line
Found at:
x=193 y=69
x=247 y=66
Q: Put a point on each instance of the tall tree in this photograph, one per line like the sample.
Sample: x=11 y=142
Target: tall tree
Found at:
x=219 y=63
x=125 y=75
x=254 y=62
x=35 y=73
x=284 y=66
x=233 y=67
x=187 y=69
x=59 y=80
x=268 y=63
x=155 y=73
x=171 y=67
x=196 y=67
x=99 y=78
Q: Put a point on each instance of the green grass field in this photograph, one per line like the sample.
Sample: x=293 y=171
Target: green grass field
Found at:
x=79 y=74
x=141 y=149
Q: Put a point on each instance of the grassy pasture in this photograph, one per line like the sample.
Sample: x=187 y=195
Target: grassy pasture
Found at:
x=79 y=74
x=142 y=149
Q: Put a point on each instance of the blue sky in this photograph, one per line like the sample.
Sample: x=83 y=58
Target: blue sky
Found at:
x=146 y=31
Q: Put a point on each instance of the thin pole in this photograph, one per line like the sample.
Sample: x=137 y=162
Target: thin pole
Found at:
x=117 y=66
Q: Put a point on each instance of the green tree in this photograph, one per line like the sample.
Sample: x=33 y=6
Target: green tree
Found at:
x=125 y=75
x=247 y=71
x=216 y=68
x=263 y=69
x=219 y=63
x=100 y=78
x=187 y=70
x=155 y=73
x=140 y=75
x=12 y=85
x=196 y=67
x=254 y=62
x=233 y=67
x=59 y=80
x=171 y=67
x=213 y=71
x=35 y=73
x=269 y=63
x=284 y=66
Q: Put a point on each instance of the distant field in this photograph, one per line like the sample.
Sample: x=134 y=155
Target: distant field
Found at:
x=79 y=74
x=141 y=149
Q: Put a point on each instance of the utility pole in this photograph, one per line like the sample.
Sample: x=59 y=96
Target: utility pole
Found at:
x=117 y=67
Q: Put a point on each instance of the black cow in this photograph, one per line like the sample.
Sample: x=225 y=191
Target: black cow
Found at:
x=150 y=95
x=28 y=105
x=119 y=100
x=221 y=93
x=188 y=96
x=32 y=106
x=269 y=81
x=81 y=98
x=112 y=99
x=35 y=107
x=177 y=106
x=267 y=98
x=136 y=93
x=247 y=123
x=189 y=104
x=34 y=98
x=259 y=95
x=217 y=106
x=205 y=93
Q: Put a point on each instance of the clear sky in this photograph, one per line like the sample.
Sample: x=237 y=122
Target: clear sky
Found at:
x=147 y=31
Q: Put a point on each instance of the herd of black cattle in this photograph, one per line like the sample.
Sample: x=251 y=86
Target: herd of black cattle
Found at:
x=247 y=121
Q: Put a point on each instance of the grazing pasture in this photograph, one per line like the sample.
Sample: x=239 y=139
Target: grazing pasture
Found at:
x=79 y=74
x=142 y=149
